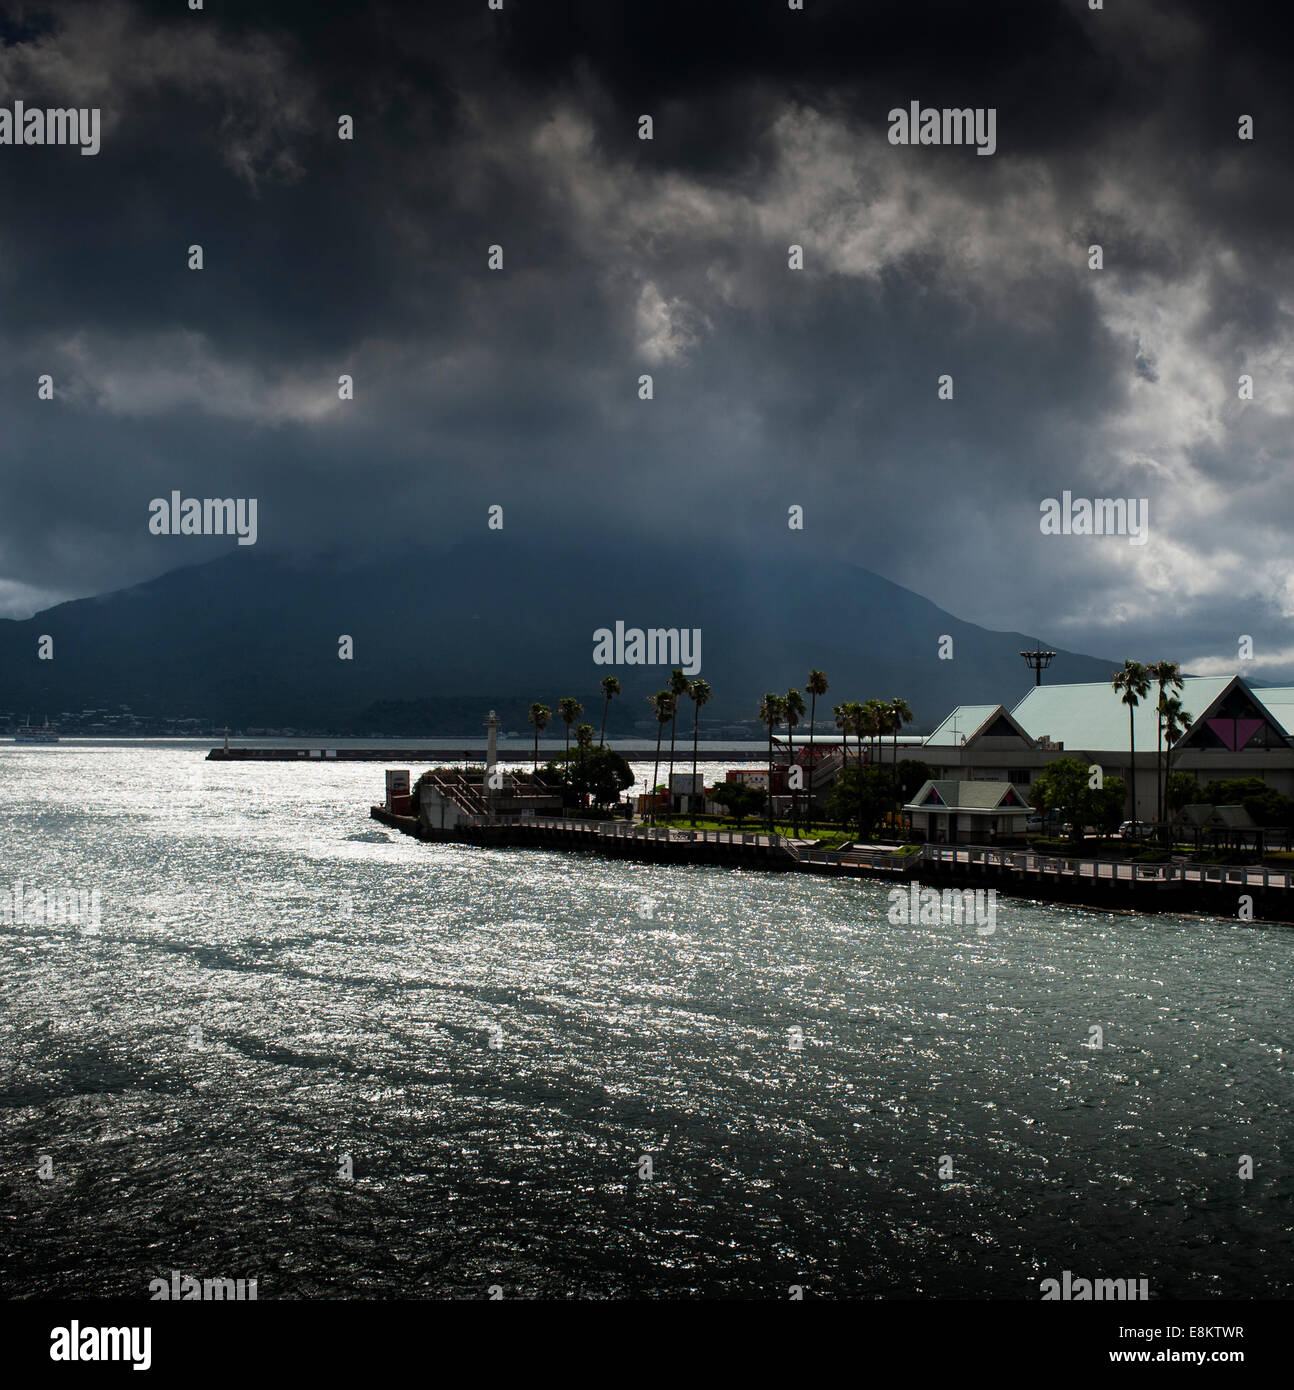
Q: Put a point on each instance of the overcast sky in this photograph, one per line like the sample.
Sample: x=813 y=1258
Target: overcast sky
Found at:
x=773 y=387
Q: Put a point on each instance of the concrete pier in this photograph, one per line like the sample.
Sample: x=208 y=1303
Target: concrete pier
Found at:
x=1191 y=889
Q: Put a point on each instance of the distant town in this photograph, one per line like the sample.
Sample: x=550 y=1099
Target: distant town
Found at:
x=119 y=721
x=122 y=721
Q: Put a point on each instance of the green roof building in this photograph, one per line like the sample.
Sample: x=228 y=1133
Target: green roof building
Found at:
x=1236 y=731
x=976 y=812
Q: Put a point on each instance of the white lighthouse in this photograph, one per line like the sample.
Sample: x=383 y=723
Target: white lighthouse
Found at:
x=491 y=759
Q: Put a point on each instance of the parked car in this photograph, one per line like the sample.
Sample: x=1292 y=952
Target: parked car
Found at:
x=1135 y=830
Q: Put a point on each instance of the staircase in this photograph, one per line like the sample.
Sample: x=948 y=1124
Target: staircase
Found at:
x=825 y=771
x=461 y=793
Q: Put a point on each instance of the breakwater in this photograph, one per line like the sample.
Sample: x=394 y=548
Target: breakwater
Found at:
x=434 y=757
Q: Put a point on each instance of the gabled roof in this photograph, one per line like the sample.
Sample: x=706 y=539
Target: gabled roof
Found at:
x=983 y=795
x=1278 y=700
x=1091 y=716
x=1237 y=718
x=970 y=722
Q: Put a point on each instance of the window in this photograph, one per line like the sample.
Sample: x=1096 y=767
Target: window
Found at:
x=1020 y=775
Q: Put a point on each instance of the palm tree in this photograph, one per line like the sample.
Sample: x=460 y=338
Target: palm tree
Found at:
x=662 y=704
x=569 y=709
x=844 y=717
x=900 y=713
x=679 y=685
x=862 y=718
x=876 y=723
x=539 y=717
x=816 y=685
x=701 y=695
x=1166 y=673
x=772 y=710
x=794 y=705
x=610 y=688
x=1176 y=722
x=849 y=720
x=1131 y=684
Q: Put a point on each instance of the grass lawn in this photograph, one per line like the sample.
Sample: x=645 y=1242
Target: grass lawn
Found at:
x=827 y=838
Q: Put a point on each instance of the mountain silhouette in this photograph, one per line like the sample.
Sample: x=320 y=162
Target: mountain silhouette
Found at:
x=252 y=638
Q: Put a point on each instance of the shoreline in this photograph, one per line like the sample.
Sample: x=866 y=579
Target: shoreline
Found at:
x=1100 y=885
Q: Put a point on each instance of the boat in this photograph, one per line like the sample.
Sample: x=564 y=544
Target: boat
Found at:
x=44 y=734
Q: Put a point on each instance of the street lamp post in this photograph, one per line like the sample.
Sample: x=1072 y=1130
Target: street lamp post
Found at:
x=1038 y=661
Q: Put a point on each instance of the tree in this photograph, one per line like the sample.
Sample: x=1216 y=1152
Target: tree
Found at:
x=600 y=773
x=608 y=775
x=738 y=798
x=866 y=791
x=1266 y=806
x=793 y=702
x=610 y=688
x=701 y=695
x=1182 y=790
x=867 y=724
x=679 y=685
x=1131 y=684
x=844 y=717
x=539 y=717
x=849 y=717
x=1062 y=785
x=1176 y=722
x=1065 y=786
x=900 y=713
x=662 y=704
x=876 y=724
x=1165 y=673
x=1104 y=807
x=913 y=775
x=816 y=685
x=583 y=742
x=569 y=710
x=1040 y=800
x=772 y=710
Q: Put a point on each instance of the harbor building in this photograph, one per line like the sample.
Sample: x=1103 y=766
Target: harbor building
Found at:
x=1236 y=731
x=975 y=812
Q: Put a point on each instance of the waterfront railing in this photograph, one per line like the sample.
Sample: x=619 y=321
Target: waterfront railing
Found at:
x=1116 y=870
x=957 y=856
x=627 y=830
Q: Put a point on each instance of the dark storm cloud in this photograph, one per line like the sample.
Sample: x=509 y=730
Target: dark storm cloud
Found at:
x=622 y=256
